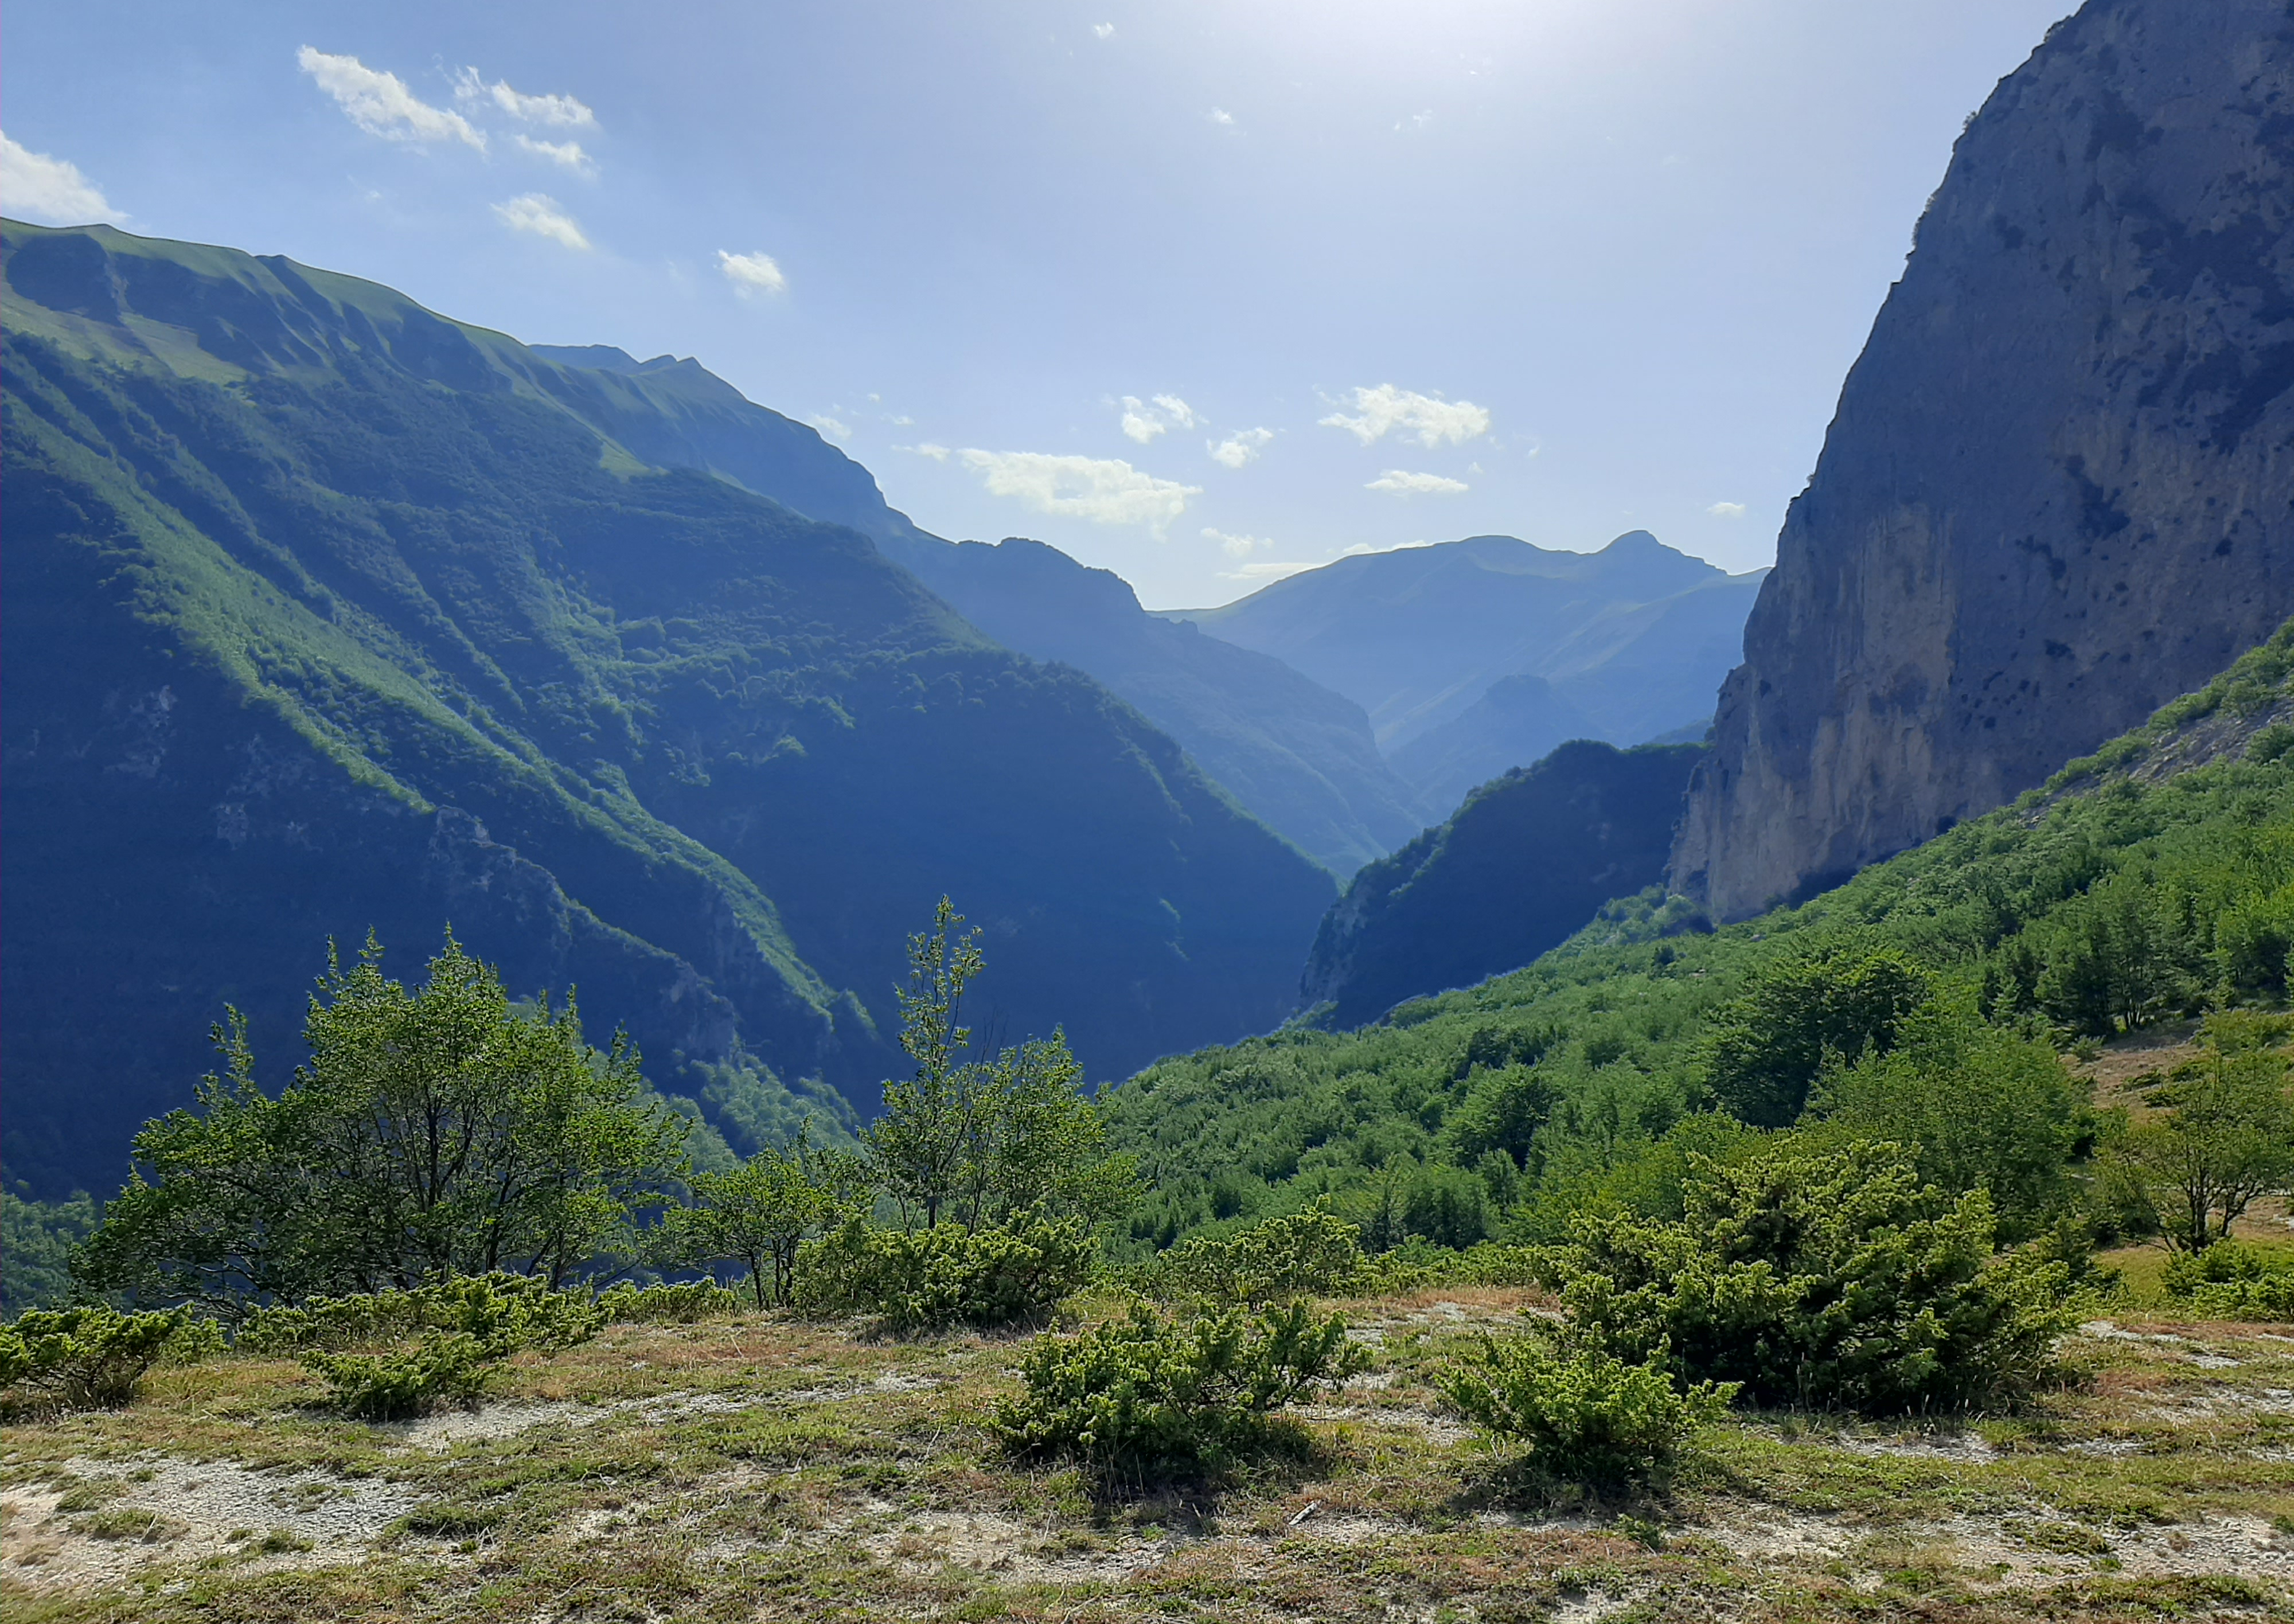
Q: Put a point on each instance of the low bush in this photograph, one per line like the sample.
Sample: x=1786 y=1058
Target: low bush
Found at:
x=1311 y=1254
x=1584 y=1413
x=95 y=1358
x=932 y=1279
x=673 y=1304
x=1823 y=1276
x=1145 y=1395
x=443 y=1367
x=504 y=1312
x=2231 y=1280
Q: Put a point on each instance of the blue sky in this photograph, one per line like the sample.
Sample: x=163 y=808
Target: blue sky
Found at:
x=1198 y=290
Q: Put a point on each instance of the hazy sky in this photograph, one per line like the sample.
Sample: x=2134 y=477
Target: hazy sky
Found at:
x=1196 y=290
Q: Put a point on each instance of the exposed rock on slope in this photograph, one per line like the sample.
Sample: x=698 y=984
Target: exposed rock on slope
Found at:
x=1293 y=753
x=2060 y=486
x=1527 y=860
x=325 y=612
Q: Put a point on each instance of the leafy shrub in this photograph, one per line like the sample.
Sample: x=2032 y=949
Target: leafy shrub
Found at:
x=1419 y=1264
x=932 y=1279
x=2230 y=1280
x=504 y=1312
x=1821 y=1277
x=677 y=1304
x=95 y=1358
x=443 y=1368
x=1311 y=1254
x=1768 y=1049
x=1583 y=1412
x=1144 y=1395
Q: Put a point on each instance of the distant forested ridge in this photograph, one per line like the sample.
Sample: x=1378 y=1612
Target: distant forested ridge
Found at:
x=1525 y=861
x=325 y=612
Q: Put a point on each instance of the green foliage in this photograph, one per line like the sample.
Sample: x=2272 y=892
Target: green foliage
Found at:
x=1584 y=1413
x=1310 y=1253
x=981 y=1141
x=432 y=1132
x=2232 y=1281
x=500 y=1312
x=443 y=1367
x=1768 y=1048
x=1979 y=1108
x=681 y=1304
x=1830 y=1278
x=932 y=1279
x=1145 y=1395
x=2225 y=1138
x=759 y=1212
x=95 y=1358
x=36 y=1238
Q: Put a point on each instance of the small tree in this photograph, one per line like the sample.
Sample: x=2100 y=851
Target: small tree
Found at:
x=432 y=1133
x=1768 y=1048
x=759 y=1212
x=2225 y=1138
x=918 y=1145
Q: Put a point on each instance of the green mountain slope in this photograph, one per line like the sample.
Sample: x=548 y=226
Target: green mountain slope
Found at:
x=1294 y=753
x=325 y=612
x=2142 y=883
x=1525 y=861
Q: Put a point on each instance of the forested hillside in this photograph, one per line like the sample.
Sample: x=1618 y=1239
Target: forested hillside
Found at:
x=2148 y=883
x=327 y=614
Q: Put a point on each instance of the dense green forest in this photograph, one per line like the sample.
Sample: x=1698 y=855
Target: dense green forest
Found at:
x=2153 y=881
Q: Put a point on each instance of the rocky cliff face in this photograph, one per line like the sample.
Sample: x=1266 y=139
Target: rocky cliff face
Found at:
x=2058 y=490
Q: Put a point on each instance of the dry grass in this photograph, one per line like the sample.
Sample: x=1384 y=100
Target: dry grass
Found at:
x=760 y=1468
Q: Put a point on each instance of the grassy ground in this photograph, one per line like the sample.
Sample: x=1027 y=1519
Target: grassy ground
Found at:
x=762 y=1468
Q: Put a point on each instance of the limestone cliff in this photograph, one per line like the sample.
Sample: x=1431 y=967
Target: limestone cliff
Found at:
x=2058 y=489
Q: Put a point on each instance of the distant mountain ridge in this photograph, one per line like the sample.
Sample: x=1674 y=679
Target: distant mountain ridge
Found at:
x=1630 y=642
x=1293 y=753
x=324 y=612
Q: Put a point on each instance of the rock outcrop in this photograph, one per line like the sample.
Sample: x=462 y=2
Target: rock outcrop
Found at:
x=2058 y=490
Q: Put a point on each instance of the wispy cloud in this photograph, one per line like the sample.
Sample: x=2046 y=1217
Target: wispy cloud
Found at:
x=48 y=190
x=1265 y=569
x=565 y=154
x=1386 y=409
x=1237 y=547
x=540 y=213
x=1727 y=511
x=1238 y=450
x=381 y=104
x=1142 y=420
x=1399 y=483
x=1105 y=490
x=1221 y=117
x=751 y=274
x=938 y=453
x=1102 y=29
x=827 y=424
x=559 y=112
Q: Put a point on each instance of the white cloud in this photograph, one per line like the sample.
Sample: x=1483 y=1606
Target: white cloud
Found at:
x=1143 y=422
x=1430 y=417
x=1103 y=490
x=1237 y=450
x=40 y=187
x=1219 y=115
x=381 y=104
x=1265 y=569
x=561 y=112
x=1415 y=484
x=540 y=213
x=1237 y=547
x=827 y=424
x=1727 y=511
x=938 y=453
x=1102 y=29
x=752 y=273
x=565 y=154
